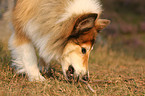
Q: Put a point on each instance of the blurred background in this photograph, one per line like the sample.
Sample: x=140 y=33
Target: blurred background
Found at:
x=127 y=30
x=6 y=7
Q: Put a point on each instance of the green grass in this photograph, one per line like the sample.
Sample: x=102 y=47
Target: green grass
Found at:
x=123 y=69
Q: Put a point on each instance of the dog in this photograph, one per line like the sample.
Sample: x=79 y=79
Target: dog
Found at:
x=61 y=30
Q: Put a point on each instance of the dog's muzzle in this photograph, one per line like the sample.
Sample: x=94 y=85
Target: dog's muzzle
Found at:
x=71 y=77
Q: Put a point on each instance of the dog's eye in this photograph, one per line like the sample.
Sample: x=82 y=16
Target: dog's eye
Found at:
x=84 y=50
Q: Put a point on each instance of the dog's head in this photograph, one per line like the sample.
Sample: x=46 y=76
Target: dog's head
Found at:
x=80 y=43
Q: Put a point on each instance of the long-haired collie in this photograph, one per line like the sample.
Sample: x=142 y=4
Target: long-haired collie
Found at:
x=62 y=30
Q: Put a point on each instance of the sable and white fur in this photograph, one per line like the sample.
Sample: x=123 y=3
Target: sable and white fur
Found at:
x=47 y=25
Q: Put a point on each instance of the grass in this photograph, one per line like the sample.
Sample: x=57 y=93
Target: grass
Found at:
x=115 y=62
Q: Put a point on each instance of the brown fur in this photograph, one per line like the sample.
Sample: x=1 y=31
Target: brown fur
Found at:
x=38 y=22
x=20 y=18
x=25 y=10
x=88 y=38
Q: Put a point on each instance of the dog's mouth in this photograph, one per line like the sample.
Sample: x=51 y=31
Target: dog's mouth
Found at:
x=72 y=77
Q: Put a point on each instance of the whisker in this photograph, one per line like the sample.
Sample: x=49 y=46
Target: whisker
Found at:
x=88 y=85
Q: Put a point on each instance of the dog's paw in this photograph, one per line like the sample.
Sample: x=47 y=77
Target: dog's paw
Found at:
x=36 y=78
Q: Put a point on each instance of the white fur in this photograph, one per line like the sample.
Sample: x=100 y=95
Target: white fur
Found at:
x=39 y=41
x=79 y=7
x=25 y=60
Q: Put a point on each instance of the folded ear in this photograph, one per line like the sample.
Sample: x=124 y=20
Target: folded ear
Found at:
x=101 y=24
x=85 y=23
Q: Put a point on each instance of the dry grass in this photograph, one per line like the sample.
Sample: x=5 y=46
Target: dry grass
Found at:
x=125 y=73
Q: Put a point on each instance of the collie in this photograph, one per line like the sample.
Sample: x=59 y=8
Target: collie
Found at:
x=63 y=30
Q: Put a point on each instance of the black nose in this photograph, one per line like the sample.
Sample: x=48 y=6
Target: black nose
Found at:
x=85 y=77
x=70 y=72
x=71 y=69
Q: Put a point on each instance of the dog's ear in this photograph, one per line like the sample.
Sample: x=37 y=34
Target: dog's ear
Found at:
x=85 y=23
x=101 y=24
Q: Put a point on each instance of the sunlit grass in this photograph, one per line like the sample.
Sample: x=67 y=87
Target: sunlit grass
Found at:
x=111 y=62
x=119 y=60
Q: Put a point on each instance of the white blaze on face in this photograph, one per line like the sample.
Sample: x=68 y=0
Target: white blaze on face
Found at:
x=74 y=56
